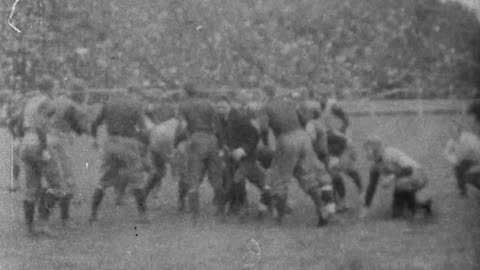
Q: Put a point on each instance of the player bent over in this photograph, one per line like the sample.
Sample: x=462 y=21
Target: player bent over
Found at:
x=463 y=153
x=333 y=148
x=294 y=157
x=342 y=160
x=395 y=168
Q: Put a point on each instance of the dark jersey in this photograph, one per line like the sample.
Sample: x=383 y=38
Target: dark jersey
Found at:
x=240 y=132
x=281 y=116
x=68 y=116
x=200 y=115
x=123 y=116
x=161 y=112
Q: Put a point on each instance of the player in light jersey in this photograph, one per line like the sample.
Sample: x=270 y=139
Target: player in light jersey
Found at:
x=463 y=152
x=396 y=168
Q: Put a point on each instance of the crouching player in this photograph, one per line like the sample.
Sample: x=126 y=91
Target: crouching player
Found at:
x=464 y=154
x=342 y=160
x=333 y=148
x=394 y=167
x=341 y=153
x=241 y=138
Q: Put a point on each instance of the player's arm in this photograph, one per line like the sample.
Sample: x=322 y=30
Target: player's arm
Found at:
x=372 y=185
x=302 y=115
x=404 y=164
x=181 y=131
x=218 y=127
x=74 y=117
x=47 y=110
x=97 y=122
x=251 y=142
x=451 y=153
x=261 y=123
x=321 y=145
x=180 y=135
x=142 y=126
x=140 y=122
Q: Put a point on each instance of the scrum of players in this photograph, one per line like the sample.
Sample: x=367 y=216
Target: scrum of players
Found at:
x=226 y=139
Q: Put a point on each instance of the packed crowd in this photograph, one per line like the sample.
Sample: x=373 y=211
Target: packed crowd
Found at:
x=228 y=140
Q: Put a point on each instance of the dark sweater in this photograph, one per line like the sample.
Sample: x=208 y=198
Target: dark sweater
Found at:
x=122 y=116
x=240 y=132
x=281 y=116
x=200 y=115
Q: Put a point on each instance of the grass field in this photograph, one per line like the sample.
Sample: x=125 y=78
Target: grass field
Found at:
x=451 y=240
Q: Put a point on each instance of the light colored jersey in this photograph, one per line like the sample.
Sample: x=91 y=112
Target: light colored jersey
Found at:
x=333 y=116
x=312 y=104
x=162 y=136
x=317 y=131
x=37 y=111
x=466 y=147
x=312 y=128
x=394 y=160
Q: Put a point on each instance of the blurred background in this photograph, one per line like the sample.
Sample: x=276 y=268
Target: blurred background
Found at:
x=350 y=48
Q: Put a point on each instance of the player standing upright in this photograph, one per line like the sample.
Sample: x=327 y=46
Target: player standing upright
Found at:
x=203 y=143
x=124 y=161
x=37 y=160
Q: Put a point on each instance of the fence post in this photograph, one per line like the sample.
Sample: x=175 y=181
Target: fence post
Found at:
x=420 y=102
